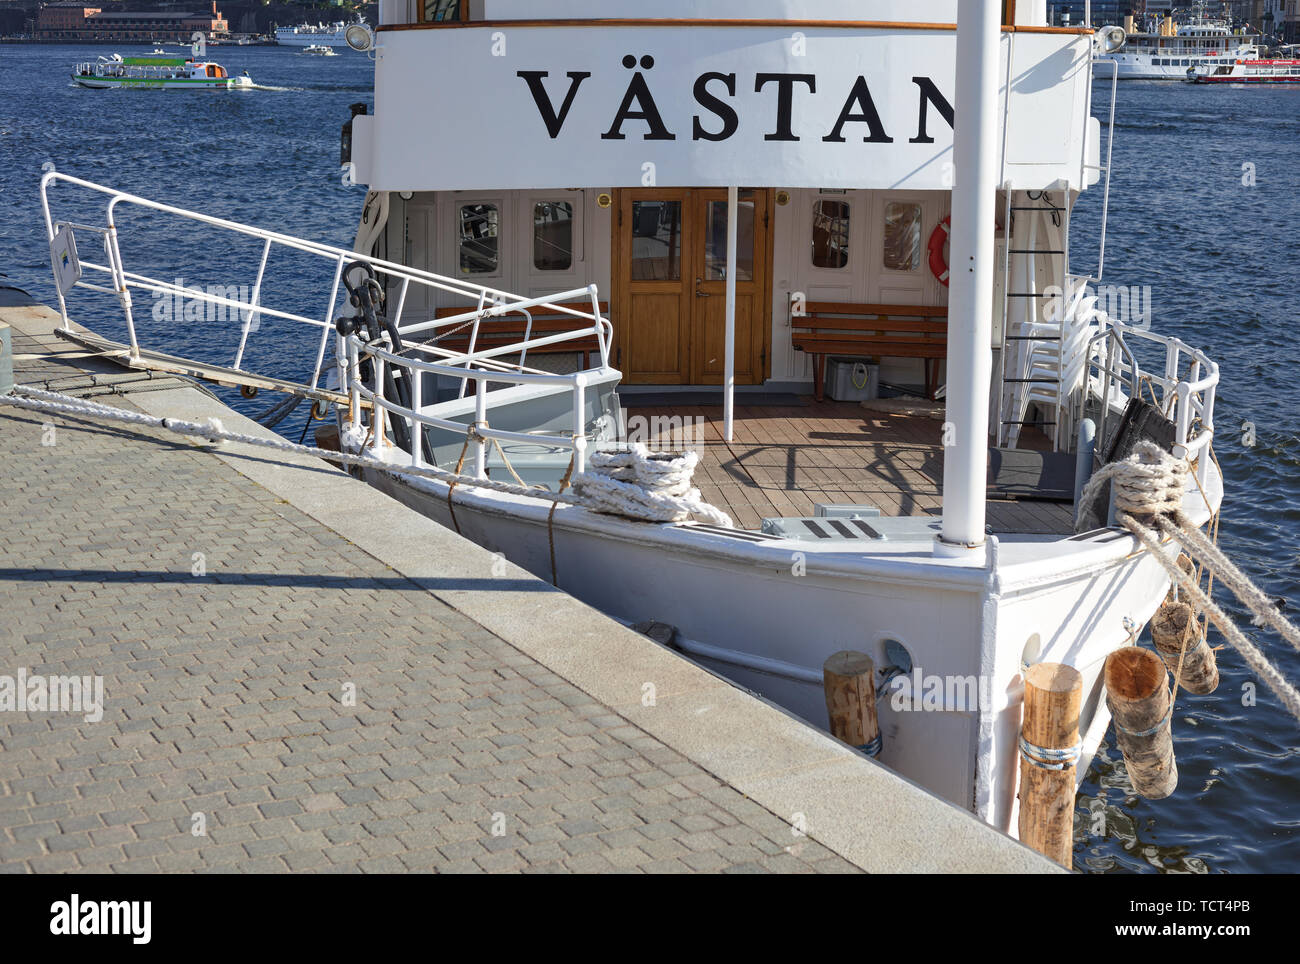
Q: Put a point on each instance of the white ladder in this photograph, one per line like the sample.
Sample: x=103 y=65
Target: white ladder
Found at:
x=1036 y=350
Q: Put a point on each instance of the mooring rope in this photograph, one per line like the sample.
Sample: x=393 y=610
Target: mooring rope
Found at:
x=1148 y=490
x=648 y=505
x=646 y=485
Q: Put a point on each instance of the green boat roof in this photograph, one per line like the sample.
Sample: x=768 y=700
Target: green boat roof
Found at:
x=154 y=61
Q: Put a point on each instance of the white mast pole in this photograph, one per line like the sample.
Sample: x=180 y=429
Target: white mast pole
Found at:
x=970 y=298
x=729 y=361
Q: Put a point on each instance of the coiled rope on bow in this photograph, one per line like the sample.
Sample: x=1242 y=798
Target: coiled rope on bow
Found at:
x=640 y=484
x=1148 y=489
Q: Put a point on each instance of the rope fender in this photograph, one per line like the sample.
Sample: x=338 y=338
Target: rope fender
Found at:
x=1149 y=487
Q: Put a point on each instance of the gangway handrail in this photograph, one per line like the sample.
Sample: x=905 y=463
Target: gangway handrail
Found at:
x=488 y=298
x=479 y=366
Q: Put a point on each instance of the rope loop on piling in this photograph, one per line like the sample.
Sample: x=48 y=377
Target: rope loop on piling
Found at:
x=1164 y=721
x=873 y=747
x=1048 y=758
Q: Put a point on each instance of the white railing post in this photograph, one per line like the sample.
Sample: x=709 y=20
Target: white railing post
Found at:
x=580 y=423
x=324 y=335
x=1183 y=417
x=473 y=340
x=379 y=417
x=480 y=416
x=417 y=427
x=352 y=382
x=401 y=302
x=1207 y=429
x=601 y=341
x=119 y=278
x=250 y=315
x=46 y=178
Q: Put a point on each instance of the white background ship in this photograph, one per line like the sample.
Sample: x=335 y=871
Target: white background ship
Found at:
x=1201 y=43
x=318 y=34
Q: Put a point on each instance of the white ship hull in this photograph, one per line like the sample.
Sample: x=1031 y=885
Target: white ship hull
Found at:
x=742 y=610
x=1142 y=67
x=310 y=39
x=214 y=83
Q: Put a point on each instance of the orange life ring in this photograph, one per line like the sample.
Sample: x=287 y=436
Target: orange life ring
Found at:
x=938 y=266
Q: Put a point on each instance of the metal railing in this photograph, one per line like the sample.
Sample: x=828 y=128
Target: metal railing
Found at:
x=1186 y=397
x=1184 y=390
x=478 y=433
x=477 y=365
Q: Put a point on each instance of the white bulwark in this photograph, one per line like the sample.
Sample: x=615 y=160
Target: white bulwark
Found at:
x=705 y=105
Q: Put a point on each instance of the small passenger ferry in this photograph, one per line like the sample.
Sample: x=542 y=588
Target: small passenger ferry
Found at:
x=319 y=50
x=157 y=72
x=1247 y=72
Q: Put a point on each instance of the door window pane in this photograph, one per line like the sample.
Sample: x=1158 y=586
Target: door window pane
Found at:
x=436 y=10
x=830 y=234
x=715 y=242
x=553 y=236
x=479 y=239
x=902 y=236
x=656 y=240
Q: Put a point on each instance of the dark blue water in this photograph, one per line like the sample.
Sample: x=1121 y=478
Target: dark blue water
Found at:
x=267 y=157
x=1219 y=257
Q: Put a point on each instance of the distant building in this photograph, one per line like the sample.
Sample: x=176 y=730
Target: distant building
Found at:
x=63 y=21
x=1280 y=19
x=75 y=21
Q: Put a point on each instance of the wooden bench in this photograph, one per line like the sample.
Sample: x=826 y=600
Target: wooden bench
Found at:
x=510 y=328
x=882 y=331
x=547 y=320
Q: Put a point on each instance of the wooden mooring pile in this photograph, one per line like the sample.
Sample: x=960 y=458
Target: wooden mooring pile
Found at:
x=1138 y=693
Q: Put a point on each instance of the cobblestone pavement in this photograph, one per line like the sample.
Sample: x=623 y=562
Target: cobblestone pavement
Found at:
x=230 y=630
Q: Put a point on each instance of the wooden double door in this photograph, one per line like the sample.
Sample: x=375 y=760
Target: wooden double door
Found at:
x=669 y=297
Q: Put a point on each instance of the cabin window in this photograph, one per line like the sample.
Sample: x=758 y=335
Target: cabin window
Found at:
x=480 y=226
x=553 y=236
x=656 y=240
x=715 y=241
x=830 y=234
x=902 y=250
x=433 y=11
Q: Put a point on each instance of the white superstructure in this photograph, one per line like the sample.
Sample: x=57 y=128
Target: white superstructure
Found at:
x=1202 y=44
x=314 y=35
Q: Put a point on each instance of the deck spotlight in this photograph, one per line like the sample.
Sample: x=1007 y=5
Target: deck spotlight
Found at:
x=1110 y=39
x=359 y=37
